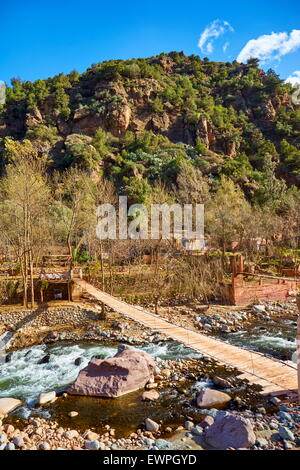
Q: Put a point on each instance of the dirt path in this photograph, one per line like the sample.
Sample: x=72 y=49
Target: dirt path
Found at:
x=272 y=374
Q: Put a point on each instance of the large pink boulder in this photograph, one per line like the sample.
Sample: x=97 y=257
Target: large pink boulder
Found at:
x=230 y=431
x=127 y=371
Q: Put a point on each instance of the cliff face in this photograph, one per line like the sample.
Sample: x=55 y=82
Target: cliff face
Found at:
x=222 y=106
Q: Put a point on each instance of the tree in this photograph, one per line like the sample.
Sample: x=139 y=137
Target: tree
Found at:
x=24 y=209
x=192 y=187
x=226 y=213
x=75 y=210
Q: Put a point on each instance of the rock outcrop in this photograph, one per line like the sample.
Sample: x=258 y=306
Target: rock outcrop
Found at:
x=127 y=371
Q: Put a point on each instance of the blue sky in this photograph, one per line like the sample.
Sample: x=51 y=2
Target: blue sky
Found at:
x=41 y=39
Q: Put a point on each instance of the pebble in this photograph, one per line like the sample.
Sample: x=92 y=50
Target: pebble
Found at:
x=286 y=434
x=44 y=446
x=92 y=445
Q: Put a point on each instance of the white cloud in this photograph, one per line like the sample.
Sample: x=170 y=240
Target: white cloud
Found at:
x=225 y=46
x=270 y=46
x=294 y=79
x=213 y=30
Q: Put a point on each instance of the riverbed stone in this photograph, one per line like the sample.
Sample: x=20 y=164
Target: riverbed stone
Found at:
x=46 y=397
x=230 y=431
x=221 y=382
x=127 y=371
x=162 y=444
x=8 y=404
x=18 y=441
x=207 y=421
x=258 y=308
x=92 y=445
x=150 y=395
x=90 y=435
x=44 y=446
x=189 y=425
x=151 y=425
x=209 y=398
x=10 y=446
x=286 y=433
x=71 y=434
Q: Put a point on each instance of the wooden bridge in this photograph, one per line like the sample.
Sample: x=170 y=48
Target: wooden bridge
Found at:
x=272 y=374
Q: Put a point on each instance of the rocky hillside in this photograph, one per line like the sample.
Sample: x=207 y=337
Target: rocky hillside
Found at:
x=137 y=118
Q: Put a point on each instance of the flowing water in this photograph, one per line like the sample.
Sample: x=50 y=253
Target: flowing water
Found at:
x=25 y=377
x=274 y=337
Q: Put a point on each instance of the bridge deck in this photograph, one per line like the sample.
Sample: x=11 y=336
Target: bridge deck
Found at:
x=272 y=374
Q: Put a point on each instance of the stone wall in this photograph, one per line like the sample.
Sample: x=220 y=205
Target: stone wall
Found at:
x=14 y=319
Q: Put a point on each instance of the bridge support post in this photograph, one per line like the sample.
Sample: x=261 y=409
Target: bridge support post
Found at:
x=103 y=311
x=298 y=346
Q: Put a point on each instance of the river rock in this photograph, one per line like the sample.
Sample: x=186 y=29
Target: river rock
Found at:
x=45 y=359
x=73 y=414
x=8 y=404
x=207 y=421
x=150 y=395
x=10 y=446
x=286 y=433
x=222 y=383
x=78 y=361
x=8 y=357
x=70 y=434
x=162 y=444
x=44 y=446
x=18 y=441
x=46 y=398
x=230 y=431
x=151 y=425
x=127 y=371
x=92 y=445
x=258 y=308
x=90 y=435
x=209 y=398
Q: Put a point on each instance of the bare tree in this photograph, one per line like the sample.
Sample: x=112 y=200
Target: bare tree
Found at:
x=24 y=209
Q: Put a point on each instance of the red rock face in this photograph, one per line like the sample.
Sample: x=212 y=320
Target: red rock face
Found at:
x=127 y=371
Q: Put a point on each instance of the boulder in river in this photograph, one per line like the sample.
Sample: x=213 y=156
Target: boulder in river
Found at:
x=127 y=371
x=230 y=431
x=78 y=361
x=209 y=398
x=46 y=398
x=45 y=359
x=8 y=404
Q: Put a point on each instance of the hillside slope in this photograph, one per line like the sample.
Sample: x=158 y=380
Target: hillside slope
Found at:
x=138 y=118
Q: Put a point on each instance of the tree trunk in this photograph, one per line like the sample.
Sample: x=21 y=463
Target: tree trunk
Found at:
x=156 y=304
x=31 y=279
x=102 y=266
x=25 y=282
